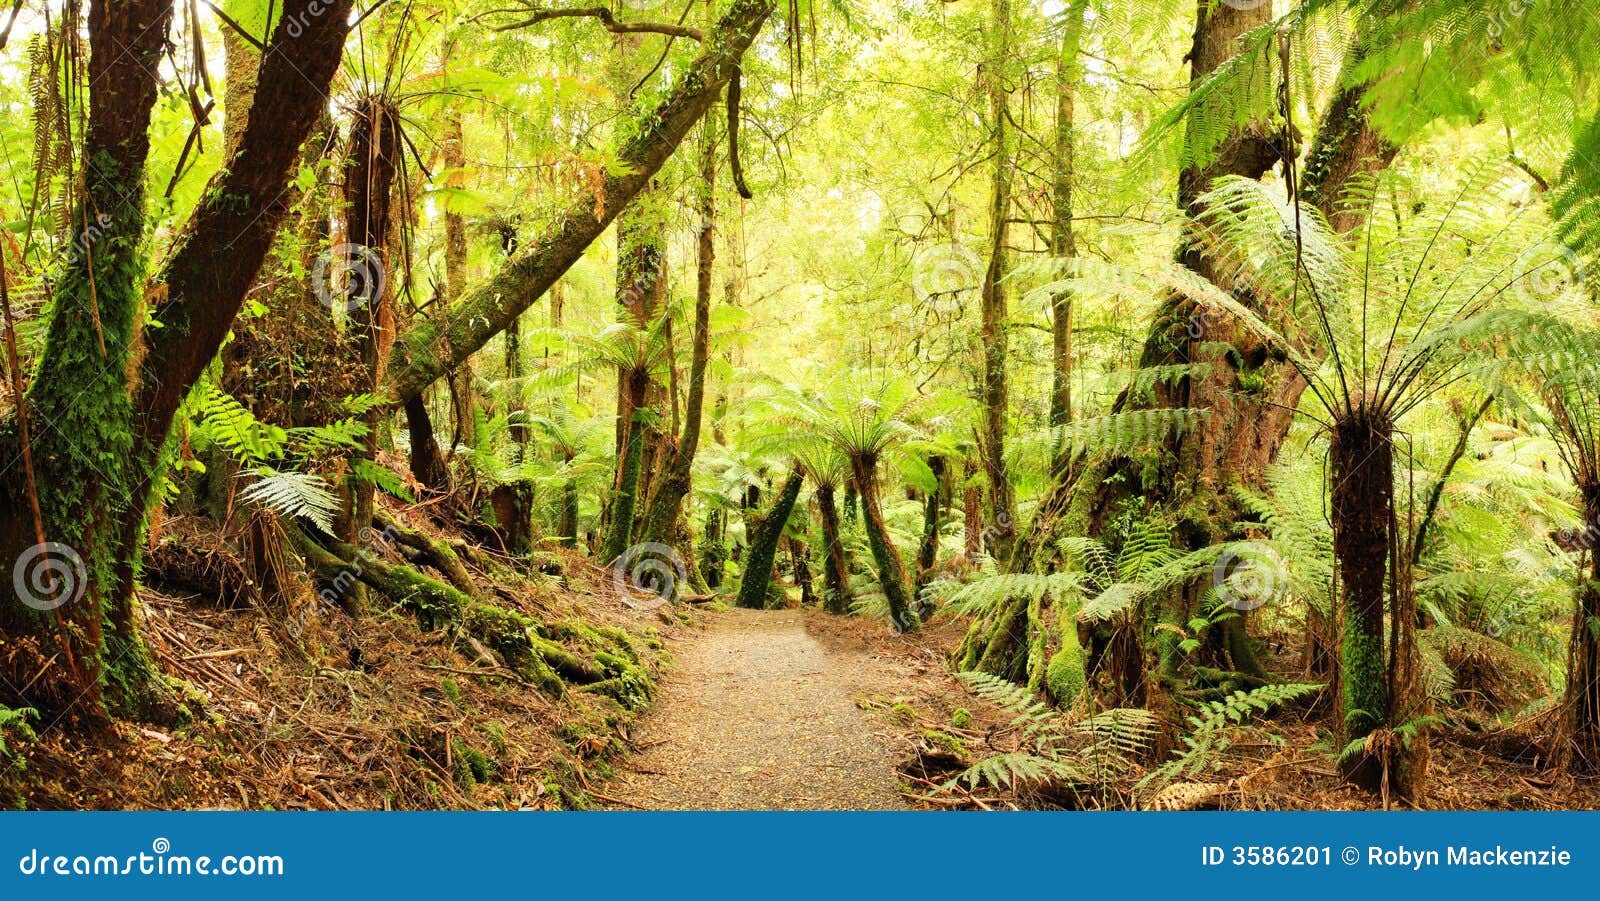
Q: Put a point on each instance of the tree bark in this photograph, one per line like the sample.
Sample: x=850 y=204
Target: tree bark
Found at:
x=891 y=568
x=992 y=300
x=757 y=577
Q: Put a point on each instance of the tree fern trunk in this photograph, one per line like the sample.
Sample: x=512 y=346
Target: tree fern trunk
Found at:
x=1581 y=706
x=891 y=569
x=763 y=553
x=836 y=571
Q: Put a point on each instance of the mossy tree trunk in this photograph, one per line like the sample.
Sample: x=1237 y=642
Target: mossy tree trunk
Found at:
x=1249 y=393
x=666 y=504
x=756 y=582
x=97 y=467
x=1375 y=687
x=891 y=568
x=992 y=298
x=836 y=569
x=79 y=623
x=619 y=532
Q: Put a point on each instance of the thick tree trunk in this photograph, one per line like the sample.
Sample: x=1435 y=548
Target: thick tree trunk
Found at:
x=76 y=619
x=1373 y=685
x=754 y=585
x=619 y=533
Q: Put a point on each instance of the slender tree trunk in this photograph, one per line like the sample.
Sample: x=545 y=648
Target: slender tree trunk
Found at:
x=620 y=531
x=1063 y=241
x=463 y=399
x=666 y=506
x=759 y=562
x=932 y=507
x=1002 y=502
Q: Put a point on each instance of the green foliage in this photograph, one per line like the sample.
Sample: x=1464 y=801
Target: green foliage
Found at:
x=1214 y=726
x=1055 y=751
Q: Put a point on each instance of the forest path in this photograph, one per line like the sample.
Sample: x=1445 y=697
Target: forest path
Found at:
x=757 y=715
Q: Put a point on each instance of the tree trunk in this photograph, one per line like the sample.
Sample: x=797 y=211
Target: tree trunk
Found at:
x=932 y=507
x=374 y=161
x=1063 y=241
x=757 y=578
x=891 y=569
x=619 y=534
x=85 y=475
x=666 y=506
x=1362 y=507
x=1581 y=706
x=995 y=394
x=836 y=571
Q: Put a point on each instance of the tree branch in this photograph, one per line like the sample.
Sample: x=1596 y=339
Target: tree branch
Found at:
x=431 y=348
x=607 y=19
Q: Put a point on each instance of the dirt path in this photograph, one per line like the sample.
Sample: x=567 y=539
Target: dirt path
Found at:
x=757 y=715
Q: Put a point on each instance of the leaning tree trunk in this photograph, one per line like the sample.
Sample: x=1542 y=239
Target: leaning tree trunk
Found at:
x=430 y=349
x=891 y=568
x=756 y=582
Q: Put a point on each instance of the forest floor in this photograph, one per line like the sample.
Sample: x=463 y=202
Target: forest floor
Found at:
x=759 y=715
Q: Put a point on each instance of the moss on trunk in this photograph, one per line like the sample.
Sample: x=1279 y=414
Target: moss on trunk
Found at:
x=763 y=554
